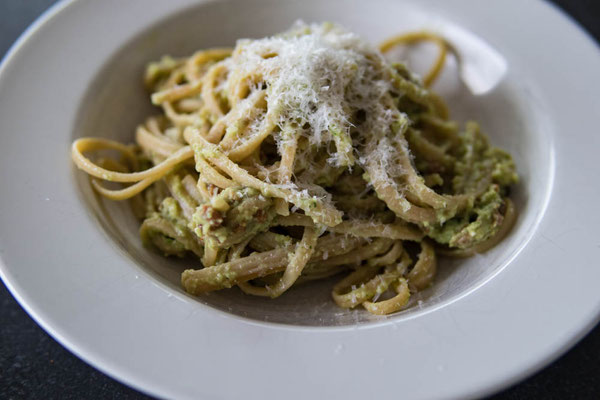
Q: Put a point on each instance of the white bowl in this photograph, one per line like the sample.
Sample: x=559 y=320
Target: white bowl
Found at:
x=75 y=262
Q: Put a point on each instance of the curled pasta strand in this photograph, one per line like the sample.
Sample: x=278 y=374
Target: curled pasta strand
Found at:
x=392 y=305
x=365 y=283
x=415 y=37
x=156 y=144
x=91 y=144
x=425 y=268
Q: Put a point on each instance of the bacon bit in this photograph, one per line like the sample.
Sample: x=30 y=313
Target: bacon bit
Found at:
x=212 y=216
x=498 y=218
x=261 y=216
x=239 y=228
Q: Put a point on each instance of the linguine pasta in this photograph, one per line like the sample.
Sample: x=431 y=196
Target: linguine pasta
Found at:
x=302 y=156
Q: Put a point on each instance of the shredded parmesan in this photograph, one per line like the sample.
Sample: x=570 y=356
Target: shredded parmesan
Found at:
x=319 y=76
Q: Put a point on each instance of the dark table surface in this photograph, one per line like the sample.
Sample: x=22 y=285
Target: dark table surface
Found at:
x=33 y=365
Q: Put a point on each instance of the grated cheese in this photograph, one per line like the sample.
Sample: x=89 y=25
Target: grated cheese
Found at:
x=319 y=76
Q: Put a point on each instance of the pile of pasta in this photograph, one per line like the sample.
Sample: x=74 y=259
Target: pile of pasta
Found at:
x=303 y=156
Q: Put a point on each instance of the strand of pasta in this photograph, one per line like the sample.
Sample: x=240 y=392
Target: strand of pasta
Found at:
x=177 y=76
x=236 y=250
x=250 y=144
x=424 y=270
x=270 y=240
x=314 y=274
x=208 y=92
x=175 y=185
x=252 y=108
x=211 y=253
x=398 y=230
x=191 y=105
x=218 y=130
x=388 y=258
x=155 y=144
x=123 y=194
x=91 y=144
x=157 y=69
x=289 y=146
x=358 y=255
x=177 y=92
x=179 y=119
x=191 y=186
x=415 y=37
x=202 y=58
x=430 y=152
x=163 y=227
x=211 y=175
x=202 y=188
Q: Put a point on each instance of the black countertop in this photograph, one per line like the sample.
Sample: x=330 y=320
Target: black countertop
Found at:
x=33 y=365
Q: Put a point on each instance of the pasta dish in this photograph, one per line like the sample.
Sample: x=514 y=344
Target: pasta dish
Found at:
x=302 y=156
